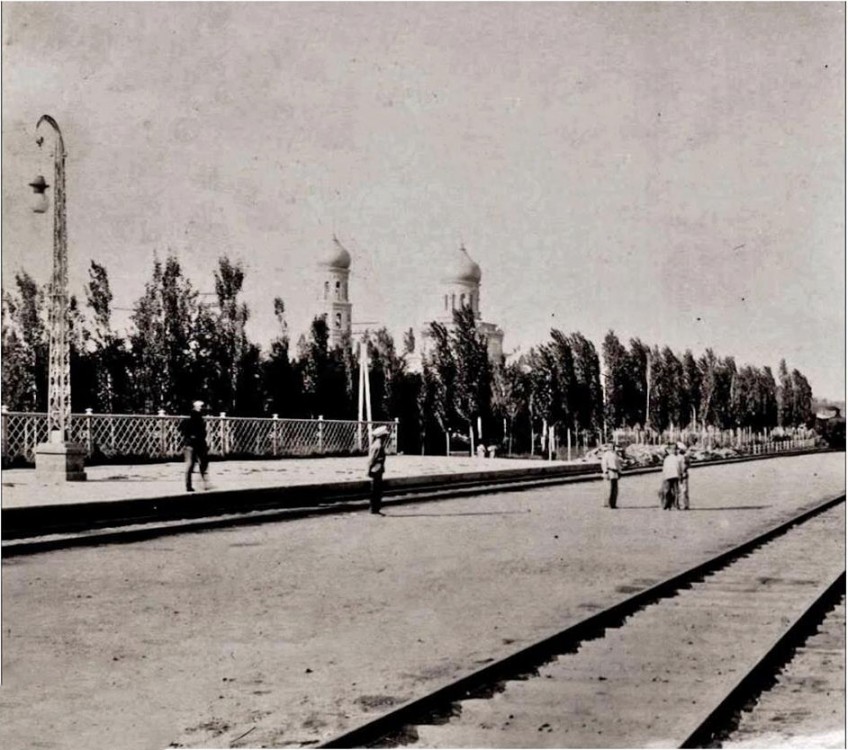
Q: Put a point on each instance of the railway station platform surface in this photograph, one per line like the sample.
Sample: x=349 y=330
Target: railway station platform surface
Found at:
x=116 y=482
x=286 y=633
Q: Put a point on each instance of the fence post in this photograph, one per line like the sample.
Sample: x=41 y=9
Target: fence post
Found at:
x=321 y=433
x=222 y=432
x=4 y=415
x=275 y=435
x=161 y=422
x=568 y=442
x=88 y=431
x=397 y=435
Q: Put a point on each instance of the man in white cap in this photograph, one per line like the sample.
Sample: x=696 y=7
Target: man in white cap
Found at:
x=193 y=429
x=377 y=465
x=611 y=469
x=683 y=484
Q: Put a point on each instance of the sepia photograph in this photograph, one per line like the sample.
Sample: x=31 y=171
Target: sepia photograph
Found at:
x=423 y=375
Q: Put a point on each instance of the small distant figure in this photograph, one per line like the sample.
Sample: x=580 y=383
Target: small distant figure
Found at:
x=671 y=478
x=683 y=485
x=376 y=467
x=193 y=429
x=611 y=466
x=481 y=451
x=491 y=451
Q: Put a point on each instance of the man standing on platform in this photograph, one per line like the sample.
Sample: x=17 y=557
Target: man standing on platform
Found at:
x=683 y=488
x=193 y=429
x=611 y=469
x=376 y=466
x=671 y=478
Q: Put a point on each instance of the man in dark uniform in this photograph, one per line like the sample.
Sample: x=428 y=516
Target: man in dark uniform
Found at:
x=193 y=429
x=377 y=465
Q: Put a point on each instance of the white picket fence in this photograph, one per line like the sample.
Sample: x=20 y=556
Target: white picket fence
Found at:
x=552 y=442
x=157 y=436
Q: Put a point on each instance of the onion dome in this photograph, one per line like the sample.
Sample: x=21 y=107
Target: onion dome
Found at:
x=461 y=268
x=336 y=256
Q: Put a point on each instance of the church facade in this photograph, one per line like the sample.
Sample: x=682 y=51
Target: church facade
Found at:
x=459 y=286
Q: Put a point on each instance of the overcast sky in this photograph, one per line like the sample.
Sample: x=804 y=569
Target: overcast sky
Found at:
x=670 y=171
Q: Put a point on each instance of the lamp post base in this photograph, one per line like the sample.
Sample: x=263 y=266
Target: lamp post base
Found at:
x=56 y=463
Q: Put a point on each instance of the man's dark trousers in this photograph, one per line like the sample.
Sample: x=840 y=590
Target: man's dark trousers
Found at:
x=193 y=457
x=376 y=492
x=613 y=493
x=669 y=493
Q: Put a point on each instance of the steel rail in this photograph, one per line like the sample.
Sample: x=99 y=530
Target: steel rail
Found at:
x=779 y=654
x=528 y=659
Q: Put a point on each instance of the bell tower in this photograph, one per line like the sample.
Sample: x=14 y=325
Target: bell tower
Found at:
x=335 y=272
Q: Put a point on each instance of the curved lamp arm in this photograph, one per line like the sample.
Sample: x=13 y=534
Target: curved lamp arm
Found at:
x=40 y=139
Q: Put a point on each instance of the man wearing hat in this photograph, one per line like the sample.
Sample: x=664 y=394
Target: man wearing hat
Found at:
x=377 y=465
x=683 y=483
x=193 y=429
x=611 y=469
x=671 y=478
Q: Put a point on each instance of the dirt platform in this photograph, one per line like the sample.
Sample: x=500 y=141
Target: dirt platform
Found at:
x=284 y=634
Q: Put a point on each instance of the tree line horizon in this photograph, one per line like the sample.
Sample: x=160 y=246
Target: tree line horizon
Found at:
x=181 y=349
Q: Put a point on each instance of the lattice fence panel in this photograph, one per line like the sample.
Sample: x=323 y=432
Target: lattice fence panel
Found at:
x=158 y=436
x=21 y=433
x=300 y=437
x=253 y=437
x=112 y=435
x=339 y=437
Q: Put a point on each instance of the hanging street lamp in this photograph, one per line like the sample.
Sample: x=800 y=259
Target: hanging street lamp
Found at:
x=58 y=460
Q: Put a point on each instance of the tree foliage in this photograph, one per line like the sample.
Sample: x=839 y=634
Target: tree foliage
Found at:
x=181 y=348
x=616 y=377
x=25 y=346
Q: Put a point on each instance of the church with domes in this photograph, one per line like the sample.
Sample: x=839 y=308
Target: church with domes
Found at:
x=459 y=286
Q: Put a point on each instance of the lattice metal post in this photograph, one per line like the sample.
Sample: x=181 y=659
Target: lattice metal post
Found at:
x=397 y=434
x=59 y=392
x=58 y=460
x=320 y=433
x=222 y=428
x=275 y=434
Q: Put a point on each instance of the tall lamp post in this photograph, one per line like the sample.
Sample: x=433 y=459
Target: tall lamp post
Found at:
x=57 y=460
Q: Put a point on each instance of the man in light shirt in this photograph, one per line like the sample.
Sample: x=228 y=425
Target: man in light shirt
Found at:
x=611 y=466
x=376 y=467
x=683 y=488
x=671 y=478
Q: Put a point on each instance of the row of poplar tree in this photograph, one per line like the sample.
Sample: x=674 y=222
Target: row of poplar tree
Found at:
x=182 y=347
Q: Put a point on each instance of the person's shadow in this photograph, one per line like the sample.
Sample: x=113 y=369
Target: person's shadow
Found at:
x=689 y=510
x=448 y=515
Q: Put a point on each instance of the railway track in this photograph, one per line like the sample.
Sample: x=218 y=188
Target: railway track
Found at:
x=671 y=666
x=776 y=716
x=29 y=530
